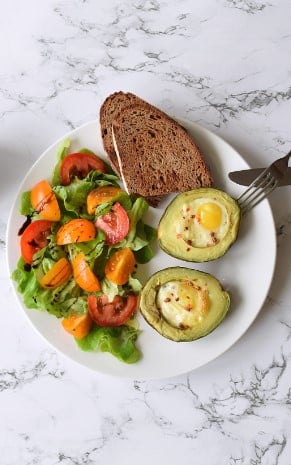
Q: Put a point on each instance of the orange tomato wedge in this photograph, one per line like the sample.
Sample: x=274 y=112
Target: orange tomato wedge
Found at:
x=83 y=274
x=100 y=195
x=78 y=230
x=78 y=326
x=57 y=275
x=119 y=266
x=44 y=201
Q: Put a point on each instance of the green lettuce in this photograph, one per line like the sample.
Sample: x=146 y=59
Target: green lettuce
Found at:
x=62 y=152
x=69 y=299
x=91 y=249
x=119 y=341
x=25 y=204
x=64 y=301
x=140 y=235
x=74 y=196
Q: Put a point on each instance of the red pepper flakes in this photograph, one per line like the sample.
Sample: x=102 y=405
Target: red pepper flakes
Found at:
x=188 y=307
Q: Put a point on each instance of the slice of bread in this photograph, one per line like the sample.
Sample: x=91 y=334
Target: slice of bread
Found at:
x=155 y=154
x=110 y=108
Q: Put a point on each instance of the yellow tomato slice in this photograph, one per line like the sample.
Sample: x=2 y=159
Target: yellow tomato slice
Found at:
x=83 y=274
x=78 y=326
x=120 y=265
x=78 y=230
x=100 y=195
x=44 y=201
x=57 y=275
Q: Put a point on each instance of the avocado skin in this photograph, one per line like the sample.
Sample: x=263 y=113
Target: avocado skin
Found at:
x=219 y=307
x=166 y=232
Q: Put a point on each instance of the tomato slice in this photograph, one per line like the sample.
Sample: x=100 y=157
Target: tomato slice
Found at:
x=57 y=275
x=114 y=313
x=83 y=274
x=44 y=201
x=119 y=266
x=34 y=238
x=115 y=224
x=78 y=230
x=100 y=195
x=79 y=164
x=78 y=326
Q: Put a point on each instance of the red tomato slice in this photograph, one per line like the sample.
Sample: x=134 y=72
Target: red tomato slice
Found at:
x=79 y=164
x=34 y=238
x=114 y=313
x=115 y=224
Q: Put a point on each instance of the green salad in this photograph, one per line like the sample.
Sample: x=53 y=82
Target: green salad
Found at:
x=80 y=245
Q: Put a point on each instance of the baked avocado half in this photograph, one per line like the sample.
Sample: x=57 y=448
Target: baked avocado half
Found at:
x=199 y=225
x=183 y=304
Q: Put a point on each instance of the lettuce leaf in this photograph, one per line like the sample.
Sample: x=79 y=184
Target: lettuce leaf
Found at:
x=25 y=204
x=63 y=301
x=62 y=152
x=74 y=196
x=119 y=341
x=140 y=235
x=91 y=249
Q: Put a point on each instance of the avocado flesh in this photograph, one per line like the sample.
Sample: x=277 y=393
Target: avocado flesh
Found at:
x=205 y=316
x=177 y=242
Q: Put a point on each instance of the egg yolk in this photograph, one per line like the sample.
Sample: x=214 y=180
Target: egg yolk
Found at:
x=210 y=215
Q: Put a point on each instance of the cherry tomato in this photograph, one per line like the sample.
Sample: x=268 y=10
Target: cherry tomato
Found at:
x=120 y=265
x=34 y=238
x=114 y=313
x=83 y=274
x=78 y=326
x=78 y=230
x=57 y=275
x=100 y=195
x=44 y=201
x=115 y=224
x=79 y=164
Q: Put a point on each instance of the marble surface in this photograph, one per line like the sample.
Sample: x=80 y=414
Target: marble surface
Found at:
x=226 y=65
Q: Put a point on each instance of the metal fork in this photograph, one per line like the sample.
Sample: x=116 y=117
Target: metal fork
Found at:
x=264 y=184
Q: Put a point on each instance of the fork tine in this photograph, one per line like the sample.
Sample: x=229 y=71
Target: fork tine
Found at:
x=257 y=195
x=264 y=184
x=257 y=183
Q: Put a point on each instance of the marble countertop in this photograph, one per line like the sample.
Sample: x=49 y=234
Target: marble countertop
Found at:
x=226 y=65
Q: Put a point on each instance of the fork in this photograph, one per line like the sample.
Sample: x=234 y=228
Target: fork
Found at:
x=263 y=185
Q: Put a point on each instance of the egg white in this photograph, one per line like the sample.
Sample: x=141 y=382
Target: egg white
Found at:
x=192 y=231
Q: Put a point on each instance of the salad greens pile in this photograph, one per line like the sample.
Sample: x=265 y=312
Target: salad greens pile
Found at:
x=69 y=299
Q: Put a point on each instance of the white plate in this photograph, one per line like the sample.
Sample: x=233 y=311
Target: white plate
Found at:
x=246 y=270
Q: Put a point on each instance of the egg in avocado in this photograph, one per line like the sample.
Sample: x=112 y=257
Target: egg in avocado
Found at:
x=183 y=304
x=199 y=225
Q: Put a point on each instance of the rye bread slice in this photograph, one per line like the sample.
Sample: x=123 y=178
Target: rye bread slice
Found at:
x=110 y=108
x=155 y=154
